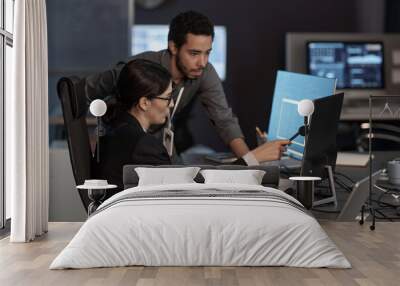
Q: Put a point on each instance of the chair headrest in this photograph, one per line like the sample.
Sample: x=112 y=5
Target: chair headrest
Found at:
x=73 y=90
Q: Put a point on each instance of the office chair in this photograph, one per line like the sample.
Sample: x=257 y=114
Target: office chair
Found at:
x=73 y=102
x=384 y=137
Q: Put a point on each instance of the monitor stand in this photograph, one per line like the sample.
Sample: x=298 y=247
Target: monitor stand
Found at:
x=332 y=198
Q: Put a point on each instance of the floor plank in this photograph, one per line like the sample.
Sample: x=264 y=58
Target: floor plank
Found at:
x=375 y=257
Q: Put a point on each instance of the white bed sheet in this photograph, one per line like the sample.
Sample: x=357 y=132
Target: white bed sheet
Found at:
x=200 y=231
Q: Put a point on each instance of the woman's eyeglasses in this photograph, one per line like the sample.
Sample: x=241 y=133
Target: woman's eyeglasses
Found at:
x=168 y=99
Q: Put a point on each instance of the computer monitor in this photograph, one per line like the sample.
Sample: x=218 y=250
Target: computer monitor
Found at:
x=355 y=65
x=290 y=89
x=321 y=149
x=155 y=38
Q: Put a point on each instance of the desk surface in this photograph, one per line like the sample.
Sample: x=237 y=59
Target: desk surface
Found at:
x=356 y=173
x=379 y=162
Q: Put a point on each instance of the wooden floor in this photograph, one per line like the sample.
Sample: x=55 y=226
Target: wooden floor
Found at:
x=375 y=256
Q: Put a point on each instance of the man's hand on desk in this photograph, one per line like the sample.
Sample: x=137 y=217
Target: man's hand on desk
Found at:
x=270 y=151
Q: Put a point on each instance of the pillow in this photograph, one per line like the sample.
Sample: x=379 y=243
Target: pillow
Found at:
x=163 y=176
x=248 y=177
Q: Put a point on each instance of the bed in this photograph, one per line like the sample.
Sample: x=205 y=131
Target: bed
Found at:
x=200 y=224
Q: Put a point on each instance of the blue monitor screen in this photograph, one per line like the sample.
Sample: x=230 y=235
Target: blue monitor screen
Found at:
x=155 y=38
x=290 y=89
x=356 y=65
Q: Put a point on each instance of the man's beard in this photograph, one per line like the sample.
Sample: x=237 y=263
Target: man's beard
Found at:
x=180 y=66
x=182 y=69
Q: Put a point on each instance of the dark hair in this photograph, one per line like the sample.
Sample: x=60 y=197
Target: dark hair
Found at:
x=138 y=78
x=189 y=22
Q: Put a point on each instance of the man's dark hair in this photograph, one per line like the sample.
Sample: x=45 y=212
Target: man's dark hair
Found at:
x=189 y=22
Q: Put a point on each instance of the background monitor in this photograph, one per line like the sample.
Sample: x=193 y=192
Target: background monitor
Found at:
x=155 y=38
x=296 y=60
x=355 y=65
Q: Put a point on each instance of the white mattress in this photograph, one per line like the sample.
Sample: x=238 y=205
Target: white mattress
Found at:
x=183 y=231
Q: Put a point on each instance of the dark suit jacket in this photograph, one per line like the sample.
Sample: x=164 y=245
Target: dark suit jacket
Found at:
x=126 y=143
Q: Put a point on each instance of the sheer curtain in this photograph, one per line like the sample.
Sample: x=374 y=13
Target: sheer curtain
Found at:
x=27 y=124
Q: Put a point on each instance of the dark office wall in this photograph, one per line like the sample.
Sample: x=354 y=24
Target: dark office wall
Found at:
x=84 y=37
x=256 y=33
x=392 y=23
x=87 y=34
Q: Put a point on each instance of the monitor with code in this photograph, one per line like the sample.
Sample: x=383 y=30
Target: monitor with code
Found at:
x=355 y=65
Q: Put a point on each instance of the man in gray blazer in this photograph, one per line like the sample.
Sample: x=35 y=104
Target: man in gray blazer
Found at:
x=190 y=40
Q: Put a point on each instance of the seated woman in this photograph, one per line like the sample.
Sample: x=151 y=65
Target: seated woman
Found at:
x=144 y=99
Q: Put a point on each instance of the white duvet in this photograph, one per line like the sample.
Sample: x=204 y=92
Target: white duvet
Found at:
x=200 y=231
